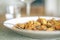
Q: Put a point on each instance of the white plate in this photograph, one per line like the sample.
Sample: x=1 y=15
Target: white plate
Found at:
x=34 y=34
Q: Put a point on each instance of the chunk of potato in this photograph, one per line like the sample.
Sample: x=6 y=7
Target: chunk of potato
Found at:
x=36 y=23
x=43 y=27
x=50 y=29
x=21 y=25
x=42 y=20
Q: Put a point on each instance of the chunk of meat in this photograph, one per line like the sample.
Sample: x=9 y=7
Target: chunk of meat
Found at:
x=57 y=27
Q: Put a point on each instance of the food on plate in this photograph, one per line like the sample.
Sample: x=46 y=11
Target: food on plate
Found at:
x=40 y=24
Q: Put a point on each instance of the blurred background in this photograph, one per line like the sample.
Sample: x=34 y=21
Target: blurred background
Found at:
x=37 y=8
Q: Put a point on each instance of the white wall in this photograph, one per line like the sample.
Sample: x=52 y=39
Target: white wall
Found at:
x=2 y=6
x=51 y=7
x=4 y=3
x=58 y=7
